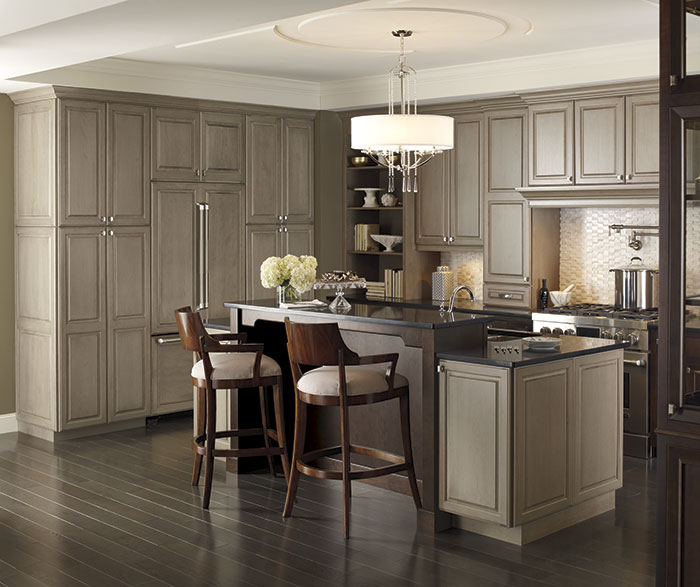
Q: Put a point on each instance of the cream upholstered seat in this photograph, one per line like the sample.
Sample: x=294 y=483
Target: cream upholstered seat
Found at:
x=236 y=366
x=359 y=379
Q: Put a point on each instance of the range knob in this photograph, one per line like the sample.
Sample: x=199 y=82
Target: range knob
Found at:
x=619 y=336
x=605 y=334
x=632 y=339
x=570 y=331
x=545 y=330
x=557 y=331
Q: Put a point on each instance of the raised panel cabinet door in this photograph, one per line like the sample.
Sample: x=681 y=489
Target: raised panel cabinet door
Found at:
x=466 y=198
x=171 y=383
x=597 y=424
x=542 y=398
x=175 y=145
x=432 y=203
x=298 y=170
x=506 y=151
x=128 y=167
x=128 y=325
x=35 y=163
x=261 y=242
x=172 y=252
x=226 y=246
x=223 y=147
x=264 y=169
x=642 y=138
x=474 y=441
x=551 y=144
x=82 y=329
x=81 y=158
x=298 y=240
x=600 y=141
x=507 y=250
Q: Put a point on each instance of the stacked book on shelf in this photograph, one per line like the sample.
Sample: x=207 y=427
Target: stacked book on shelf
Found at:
x=393 y=283
x=363 y=242
x=376 y=290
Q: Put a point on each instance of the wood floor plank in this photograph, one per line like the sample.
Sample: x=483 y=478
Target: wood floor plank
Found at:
x=118 y=510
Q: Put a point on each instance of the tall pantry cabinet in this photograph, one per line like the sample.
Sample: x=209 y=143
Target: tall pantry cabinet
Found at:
x=82 y=246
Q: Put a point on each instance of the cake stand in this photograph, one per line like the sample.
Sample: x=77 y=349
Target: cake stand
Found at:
x=340 y=304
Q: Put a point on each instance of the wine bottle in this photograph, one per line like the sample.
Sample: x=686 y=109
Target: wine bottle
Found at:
x=543 y=296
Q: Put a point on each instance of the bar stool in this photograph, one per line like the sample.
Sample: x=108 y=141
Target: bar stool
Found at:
x=226 y=361
x=340 y=377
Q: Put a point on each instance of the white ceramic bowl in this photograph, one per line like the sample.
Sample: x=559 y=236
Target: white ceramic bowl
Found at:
x=387 y=240
x=560 y=298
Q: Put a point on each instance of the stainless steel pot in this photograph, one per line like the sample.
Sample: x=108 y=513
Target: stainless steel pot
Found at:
x=634 y=286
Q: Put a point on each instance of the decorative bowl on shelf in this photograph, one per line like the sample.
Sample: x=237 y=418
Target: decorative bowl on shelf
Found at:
x=388 y=241
x=359 y=161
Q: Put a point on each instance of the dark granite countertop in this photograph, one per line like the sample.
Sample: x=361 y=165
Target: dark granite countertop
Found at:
x=571 y=346
x=462 y=305
x=387 y=313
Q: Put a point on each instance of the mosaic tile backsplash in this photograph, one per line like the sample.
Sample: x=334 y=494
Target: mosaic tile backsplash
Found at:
x=588 y=252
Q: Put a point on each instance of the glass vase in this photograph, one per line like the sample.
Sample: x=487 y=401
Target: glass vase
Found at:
x=286 y=294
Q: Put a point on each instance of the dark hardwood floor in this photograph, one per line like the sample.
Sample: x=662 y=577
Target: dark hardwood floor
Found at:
x=118 y=510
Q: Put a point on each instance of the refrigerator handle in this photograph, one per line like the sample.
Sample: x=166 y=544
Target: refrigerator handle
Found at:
x=202 y=256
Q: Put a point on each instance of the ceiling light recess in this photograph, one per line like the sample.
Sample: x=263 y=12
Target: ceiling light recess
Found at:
x=402 y=140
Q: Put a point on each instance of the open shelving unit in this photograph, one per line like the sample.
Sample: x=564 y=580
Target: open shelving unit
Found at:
x=396 y=220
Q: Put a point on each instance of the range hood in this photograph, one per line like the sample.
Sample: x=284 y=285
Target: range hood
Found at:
x=589 y=196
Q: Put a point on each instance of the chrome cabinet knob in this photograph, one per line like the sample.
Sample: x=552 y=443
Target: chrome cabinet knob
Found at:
x=103 y=219
x=279 y=229
x=111 y=218
x=444 y=239
x=452 y=239
x=103 y=233
x=526 y=279
x=285 y=218
x=620 y=178
x=279 y=218
x=111 y=233
x=628 y=177
x=570 y=179
x=196 y=172
x=204 y=173
x=285 y=229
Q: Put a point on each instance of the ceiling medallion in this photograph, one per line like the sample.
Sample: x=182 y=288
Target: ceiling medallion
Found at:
x=402 y=140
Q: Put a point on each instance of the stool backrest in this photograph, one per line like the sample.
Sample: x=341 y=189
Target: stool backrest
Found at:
x=191 y=329
x=316 y=345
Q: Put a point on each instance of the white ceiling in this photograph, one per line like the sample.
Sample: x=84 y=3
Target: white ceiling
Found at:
x=321 y=53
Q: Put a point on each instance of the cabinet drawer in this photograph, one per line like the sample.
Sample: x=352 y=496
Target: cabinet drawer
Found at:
x=507 y=295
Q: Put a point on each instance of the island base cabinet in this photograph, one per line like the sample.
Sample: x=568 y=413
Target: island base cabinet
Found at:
x=525 y=452
x=474 y=441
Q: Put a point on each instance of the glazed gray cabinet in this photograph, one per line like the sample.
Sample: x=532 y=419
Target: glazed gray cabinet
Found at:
x=520 y=445
x=171 y=384
x=103 y=163
x=263 y=241
x=450 y=191
x=189 y=145
x=177 y=278
x=279 y=170
x=507 y=258
x=595 y=141
x=104 y=293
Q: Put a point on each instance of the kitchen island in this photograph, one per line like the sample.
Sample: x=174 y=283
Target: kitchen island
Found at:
x=488 y=417
x=529 y=442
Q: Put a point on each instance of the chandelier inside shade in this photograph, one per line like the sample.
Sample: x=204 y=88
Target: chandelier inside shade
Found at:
x=402 y=140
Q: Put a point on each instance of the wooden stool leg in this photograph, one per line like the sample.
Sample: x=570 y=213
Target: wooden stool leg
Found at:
x=201 y=420
x=299 y=440
x=210 y=442
x=279 y=423
x=345 y=446
x=266 y=438
x=407 y=450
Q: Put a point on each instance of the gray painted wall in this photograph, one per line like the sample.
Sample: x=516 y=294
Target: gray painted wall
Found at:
x=7 y=284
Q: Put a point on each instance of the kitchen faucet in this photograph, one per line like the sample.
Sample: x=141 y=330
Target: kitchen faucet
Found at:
x=453 y=297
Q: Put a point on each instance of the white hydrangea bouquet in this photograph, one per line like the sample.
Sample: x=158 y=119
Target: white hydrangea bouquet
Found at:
x=291 y=275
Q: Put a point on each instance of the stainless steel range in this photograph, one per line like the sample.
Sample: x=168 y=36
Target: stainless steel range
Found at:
x=600 y=321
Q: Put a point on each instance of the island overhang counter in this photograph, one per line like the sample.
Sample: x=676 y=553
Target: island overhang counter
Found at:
x=416 y=334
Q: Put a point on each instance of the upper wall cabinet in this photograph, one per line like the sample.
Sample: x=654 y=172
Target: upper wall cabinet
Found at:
x=189 y=145
x=596 y=141
x=279 y=170
x=103 y=164
x=450 y=189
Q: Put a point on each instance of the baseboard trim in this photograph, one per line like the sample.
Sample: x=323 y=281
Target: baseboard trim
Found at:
x=8 y=423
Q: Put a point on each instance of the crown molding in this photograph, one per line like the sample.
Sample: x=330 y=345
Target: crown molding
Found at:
x=624 y=62
x=184 y=81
